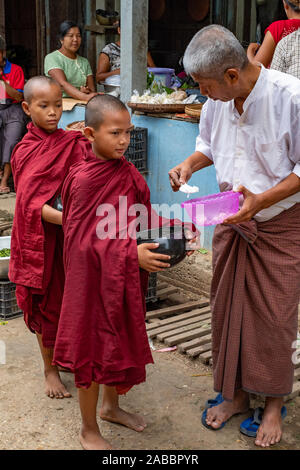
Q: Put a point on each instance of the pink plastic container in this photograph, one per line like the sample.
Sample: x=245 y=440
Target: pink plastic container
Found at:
x=212 y=209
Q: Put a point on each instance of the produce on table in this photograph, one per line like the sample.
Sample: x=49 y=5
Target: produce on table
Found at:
x=5 y=253
x=176 y=97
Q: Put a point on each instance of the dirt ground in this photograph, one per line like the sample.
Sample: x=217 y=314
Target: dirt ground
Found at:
x=171 y=401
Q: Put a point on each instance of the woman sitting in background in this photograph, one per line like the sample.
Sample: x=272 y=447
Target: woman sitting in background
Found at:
x=12 y=118
x=274 y=33
x=109 y=62
x=69 y=69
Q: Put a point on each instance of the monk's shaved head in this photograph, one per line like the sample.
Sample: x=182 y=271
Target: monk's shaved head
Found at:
x=98 y=106
x=35 y=84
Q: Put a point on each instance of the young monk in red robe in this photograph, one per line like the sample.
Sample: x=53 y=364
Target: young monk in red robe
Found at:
x=101 y=335
x=40 y=163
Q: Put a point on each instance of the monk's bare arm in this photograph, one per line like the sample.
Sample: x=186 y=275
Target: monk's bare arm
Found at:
x=51 y=215
x=254 y=203
x=181 y=173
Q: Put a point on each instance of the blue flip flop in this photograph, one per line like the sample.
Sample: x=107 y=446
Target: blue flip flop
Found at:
x=214 y=401
x=210 y=404
x=250 y=426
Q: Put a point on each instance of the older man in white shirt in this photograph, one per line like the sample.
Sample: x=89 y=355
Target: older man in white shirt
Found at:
x=250 y=131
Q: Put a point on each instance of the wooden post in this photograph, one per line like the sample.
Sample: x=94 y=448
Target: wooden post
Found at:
x=110 y=5
x=40 y=35
x=2 y=18
x=253 y=22
x=134 y=46
x=90 y=37
x=240 y=16
x=47 y=26
x=109 y=35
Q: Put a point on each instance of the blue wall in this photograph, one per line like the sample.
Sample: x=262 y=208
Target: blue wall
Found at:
x=77 y=114
x=170 y=141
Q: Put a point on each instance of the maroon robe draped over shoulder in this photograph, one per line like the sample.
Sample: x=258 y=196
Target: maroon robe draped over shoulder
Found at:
x=40 y=163
x=102 y=336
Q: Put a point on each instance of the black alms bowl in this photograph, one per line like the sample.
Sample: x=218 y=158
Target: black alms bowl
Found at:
x=171 y=242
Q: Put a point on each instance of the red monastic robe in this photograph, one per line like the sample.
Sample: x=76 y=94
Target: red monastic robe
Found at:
x=101 y=335
x=40 y=163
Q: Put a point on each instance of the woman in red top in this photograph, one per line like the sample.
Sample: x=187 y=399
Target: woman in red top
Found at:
x=12 y=118
x=274 y=33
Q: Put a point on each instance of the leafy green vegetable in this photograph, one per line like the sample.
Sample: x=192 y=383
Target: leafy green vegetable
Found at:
x=168 y=90
x=5 y=253
x=156 y=87
x=184 y=87
x=203 y=251
x=150 y=78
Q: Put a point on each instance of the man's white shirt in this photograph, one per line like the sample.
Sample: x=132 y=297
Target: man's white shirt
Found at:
x=261 y=147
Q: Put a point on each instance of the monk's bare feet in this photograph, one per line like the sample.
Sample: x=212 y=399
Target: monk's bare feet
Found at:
x=91 y=439
x=270 y=430
x=219 y=414
x=119 y=416
x=53 y=385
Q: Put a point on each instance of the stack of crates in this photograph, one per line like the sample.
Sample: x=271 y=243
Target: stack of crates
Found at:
x=9 y=307
x=137 y=150
x=152 y=285
x=8 y=302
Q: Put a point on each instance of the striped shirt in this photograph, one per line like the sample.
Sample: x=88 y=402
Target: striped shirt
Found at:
x=287 y=55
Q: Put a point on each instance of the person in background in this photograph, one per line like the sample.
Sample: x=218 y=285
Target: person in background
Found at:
x=12 y=118
x=287 y=55
x=274 y=33
x=109 y=61
x=69 y=69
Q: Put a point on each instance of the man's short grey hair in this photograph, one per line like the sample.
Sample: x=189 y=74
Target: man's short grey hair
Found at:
x=212 y=51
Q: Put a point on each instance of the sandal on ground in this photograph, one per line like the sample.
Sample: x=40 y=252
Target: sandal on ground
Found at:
x=250 y=426
x=210 y=404
x=4 y=190
x=214 y=401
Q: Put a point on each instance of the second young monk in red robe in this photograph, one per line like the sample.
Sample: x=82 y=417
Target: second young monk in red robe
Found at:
x=40 y=163
x=101 y=335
